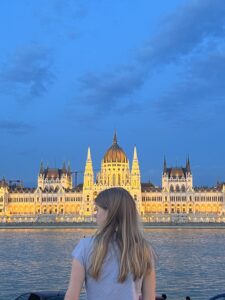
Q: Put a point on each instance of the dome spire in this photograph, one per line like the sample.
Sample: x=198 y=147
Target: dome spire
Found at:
x=115 y=153
x=115 y=138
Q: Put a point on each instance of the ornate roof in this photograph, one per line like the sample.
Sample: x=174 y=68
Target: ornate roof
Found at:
x=51 y=173
x=147 y=187
x=18 y=189
x=3 y=183
x=176 y=172
x=115 y=153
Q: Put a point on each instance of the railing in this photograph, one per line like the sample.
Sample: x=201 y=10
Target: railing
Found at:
x=218 y=297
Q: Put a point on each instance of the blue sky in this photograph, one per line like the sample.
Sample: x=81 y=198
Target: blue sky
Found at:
x=73 y=71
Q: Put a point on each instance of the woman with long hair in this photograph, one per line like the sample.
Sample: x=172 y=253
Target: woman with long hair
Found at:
x=117 y=263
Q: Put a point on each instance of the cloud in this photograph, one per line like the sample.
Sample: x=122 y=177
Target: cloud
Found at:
x=202 y=87
x=61 y=14
x=28 y=73
x=15 y=127
x=103 y=92
x=65 y=7
x=183 y=34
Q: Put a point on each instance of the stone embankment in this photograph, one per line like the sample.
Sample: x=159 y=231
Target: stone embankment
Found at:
x=85 y=225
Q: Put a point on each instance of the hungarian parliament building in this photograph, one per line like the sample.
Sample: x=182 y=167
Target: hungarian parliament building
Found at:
x=55 y=199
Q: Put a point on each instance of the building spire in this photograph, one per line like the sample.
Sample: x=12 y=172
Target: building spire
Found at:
x=135 y=172
x=64 y=165
x=41 y=167
x=164 y=165
x=88 y=173
x=188 y=166
x=89 y=153
x=135 y=164
x=88 y=166
x=135 y=152
x=69 y=169
x=114 y=138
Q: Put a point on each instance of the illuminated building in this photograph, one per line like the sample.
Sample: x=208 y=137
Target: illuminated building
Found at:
x=55 y=199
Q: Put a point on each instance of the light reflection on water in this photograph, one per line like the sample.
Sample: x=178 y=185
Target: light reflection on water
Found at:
x=190 y=261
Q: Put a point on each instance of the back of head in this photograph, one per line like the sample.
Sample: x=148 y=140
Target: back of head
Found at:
x=122 y=224
x=121 y=208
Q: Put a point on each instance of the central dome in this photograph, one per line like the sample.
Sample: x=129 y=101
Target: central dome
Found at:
x=115 y=153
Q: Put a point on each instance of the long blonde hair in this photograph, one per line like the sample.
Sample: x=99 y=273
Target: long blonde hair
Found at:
x=122 y=224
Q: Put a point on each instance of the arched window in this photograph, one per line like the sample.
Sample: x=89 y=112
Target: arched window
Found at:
x=171 y=188
x=183 y=188
x=118 y=179
x=114 y=179
x=177 y=188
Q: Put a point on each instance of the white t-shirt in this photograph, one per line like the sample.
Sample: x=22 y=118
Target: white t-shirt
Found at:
x=107 y=286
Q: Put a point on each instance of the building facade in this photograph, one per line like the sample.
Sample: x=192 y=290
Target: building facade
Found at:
x=55 y=199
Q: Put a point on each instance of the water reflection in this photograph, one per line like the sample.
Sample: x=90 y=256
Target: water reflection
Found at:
x=190 y=262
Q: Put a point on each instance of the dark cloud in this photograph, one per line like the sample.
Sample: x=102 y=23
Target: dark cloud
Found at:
x=15 y=127
x=202 y=87
x=103 y=92
x=28 y=73
x=182 y=34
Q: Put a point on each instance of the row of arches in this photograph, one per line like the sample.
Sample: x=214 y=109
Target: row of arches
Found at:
x=177 y=188
x=181 y=208
x=44 y=209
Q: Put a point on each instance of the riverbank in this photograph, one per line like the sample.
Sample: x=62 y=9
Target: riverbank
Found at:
x=83 y=225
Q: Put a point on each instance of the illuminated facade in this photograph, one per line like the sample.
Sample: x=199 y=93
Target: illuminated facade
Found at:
x=55 y=199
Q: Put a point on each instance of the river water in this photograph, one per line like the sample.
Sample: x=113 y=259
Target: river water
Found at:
x=190 y=261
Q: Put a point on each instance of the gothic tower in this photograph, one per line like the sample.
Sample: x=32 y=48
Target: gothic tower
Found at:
x=136 y=180
x=87 y=205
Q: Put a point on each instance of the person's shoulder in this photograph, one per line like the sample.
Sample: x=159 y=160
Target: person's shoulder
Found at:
x=82 y=250
x=86 y=241
x=83 y=245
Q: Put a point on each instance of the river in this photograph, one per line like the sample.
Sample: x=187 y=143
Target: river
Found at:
x=190 y=261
